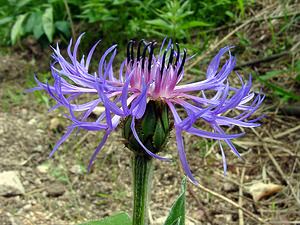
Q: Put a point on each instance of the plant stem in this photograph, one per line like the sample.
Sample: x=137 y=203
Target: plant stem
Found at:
x=70 y=19
x=142 y=176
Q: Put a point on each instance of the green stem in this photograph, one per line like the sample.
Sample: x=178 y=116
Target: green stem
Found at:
x=70 y=19
x=142 y=176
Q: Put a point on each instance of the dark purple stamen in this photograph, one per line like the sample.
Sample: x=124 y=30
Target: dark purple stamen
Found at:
x=131 y=53
x=151 y=55
x=182 y=63
x=171 y=56
x=144 y=55
x=129 y=45
x=163 y=62
x=178 y=54
x=139 y=49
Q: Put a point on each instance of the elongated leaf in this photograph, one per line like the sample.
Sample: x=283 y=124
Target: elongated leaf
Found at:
x=192 y=24
x=159 y=23
x=48 y=26
x=283 y=92
x=119 y=219
x=5 y=20
x=177 y=213
x=64 y=27
x=242 y=7
x=16 y=30
x=271 y=74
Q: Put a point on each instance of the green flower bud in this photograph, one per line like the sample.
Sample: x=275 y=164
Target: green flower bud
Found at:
x=153 y=129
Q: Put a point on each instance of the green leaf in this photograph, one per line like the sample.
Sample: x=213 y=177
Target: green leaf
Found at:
x=298 y=79
x=119 y=219
x=242 y=7
x=64 y=27
x=31 y=22
x=159 y=23
x=17 y=30
x=48 y=26
x=177 y=213
x=5 y=20
x=22 y=3
x=38 y=30
x=271 y=74
x=286 y=95
x=192 y=24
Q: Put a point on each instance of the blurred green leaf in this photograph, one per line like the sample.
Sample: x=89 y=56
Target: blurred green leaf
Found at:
x=177 y=213
x=159 y=23
x=241 y=7
x=270 y=74
x=230 y=14
x=22 y=3
x=63 y=26
x=6 y=20
x=192 y=24
x=119 y=219
x=298 y=79
x=31 y=22
x=17 y=30
x=48 y=26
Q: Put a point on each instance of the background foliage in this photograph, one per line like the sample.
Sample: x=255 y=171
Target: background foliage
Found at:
x=115 y=20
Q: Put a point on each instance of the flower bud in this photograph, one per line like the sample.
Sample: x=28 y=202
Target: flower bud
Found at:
x=153 y=129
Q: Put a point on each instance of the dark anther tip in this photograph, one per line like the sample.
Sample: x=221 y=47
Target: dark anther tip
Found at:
x=163 y=62
x=151 y=54
x=129 y=46
x=171 y=56
x=139 y=49
x=144 y=54
x=131 y=52
x=178 y=54
x=182 y=62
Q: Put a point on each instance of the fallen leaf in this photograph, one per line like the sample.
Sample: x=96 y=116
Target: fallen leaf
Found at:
x=261 y=190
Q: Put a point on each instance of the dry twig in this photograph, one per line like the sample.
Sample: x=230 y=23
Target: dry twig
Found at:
x=277 y=166
x=248 y=213
x=241 y=215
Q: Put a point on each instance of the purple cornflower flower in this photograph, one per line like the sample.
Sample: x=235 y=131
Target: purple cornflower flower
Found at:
x=149 y=77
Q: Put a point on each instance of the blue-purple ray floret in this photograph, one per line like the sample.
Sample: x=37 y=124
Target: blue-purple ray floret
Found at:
x=145 y=76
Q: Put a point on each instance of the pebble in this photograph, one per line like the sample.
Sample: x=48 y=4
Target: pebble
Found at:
x=98 y=110
x=38 y=148
x=77 y=169
x=10 y=184
x=43 y=168
x=32 y=121
x=55 y=190
x=230 y=187
x=56 y=125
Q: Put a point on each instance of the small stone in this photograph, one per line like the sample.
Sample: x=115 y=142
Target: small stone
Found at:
x=43 y=168
x=78 y=169
x=27 y=207
x=56 y=125
x=98 y=110
x=32 y=121
x=230 y=187
x=10 y=184
x=55 y=190
x=224 y=218
x=23 y=111
x=38 y=148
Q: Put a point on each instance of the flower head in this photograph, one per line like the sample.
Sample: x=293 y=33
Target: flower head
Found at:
x=143 y=78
